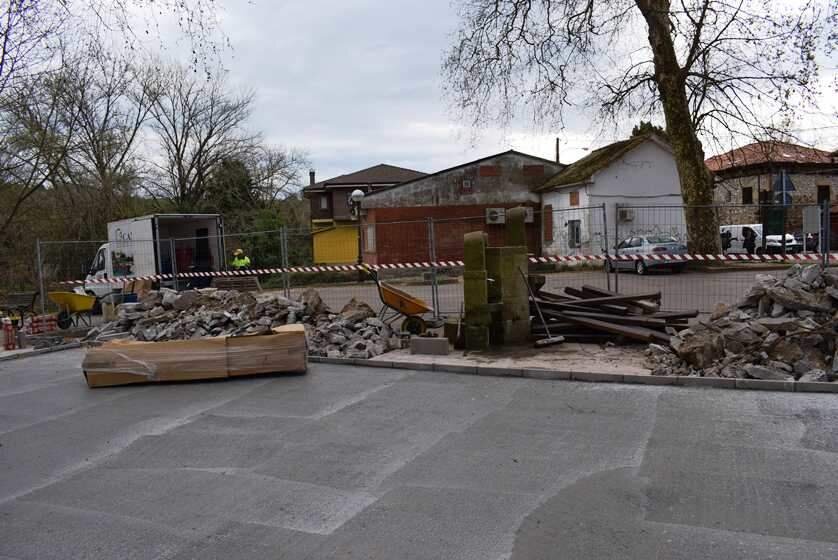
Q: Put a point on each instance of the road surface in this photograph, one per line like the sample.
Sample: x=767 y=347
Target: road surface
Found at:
x=353 y=462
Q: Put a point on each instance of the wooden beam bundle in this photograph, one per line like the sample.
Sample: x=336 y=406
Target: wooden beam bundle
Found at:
x=592 y=313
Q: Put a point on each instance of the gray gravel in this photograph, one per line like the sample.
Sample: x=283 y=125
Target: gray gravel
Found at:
x=350 y=462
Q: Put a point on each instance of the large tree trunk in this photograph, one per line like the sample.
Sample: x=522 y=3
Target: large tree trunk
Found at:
x=696 y=181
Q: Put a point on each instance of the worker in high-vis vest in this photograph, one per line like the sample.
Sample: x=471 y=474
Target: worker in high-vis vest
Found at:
x=240 y=260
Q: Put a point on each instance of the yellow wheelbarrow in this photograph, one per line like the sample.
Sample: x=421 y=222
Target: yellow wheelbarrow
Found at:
x=401 y=304
x=76 y=308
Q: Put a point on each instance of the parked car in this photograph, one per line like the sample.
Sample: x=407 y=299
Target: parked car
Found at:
x=652 y=245
x=747 y=239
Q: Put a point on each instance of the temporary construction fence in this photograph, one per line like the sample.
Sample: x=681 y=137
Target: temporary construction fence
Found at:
x=572 y=247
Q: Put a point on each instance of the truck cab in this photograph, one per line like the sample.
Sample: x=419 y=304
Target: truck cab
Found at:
x=98 y=272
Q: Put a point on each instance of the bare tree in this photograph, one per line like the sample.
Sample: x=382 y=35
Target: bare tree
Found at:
x=35 y=136
x=27 y=36
x=711 y=67
x=275 y=172
x=30 y=30
x=198 y=124
x=111 y=99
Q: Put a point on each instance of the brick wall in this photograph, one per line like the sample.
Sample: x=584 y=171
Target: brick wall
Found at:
x=401 y=234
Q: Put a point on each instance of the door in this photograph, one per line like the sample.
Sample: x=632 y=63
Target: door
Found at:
x=203 y=256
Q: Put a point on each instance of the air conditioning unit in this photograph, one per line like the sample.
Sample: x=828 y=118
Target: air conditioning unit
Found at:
x=625 y=215
x=495 y=216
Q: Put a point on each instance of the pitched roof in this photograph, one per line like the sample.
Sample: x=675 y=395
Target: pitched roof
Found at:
x=377 y=174
x=582 y=170
x=760 y=153
x=459 y=165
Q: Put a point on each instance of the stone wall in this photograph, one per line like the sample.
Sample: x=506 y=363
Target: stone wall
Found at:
x=729 y=191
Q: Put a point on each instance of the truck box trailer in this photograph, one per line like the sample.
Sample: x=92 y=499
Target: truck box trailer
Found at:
x=158 y=244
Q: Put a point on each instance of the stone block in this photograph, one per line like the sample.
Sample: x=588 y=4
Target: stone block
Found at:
x=598 y=377
x=495 y=371
x=553 y=374
x=516 y=331
x=456 y=368
x=815 y=387
x=477 y=337
x=433 y=346
x=764 y=384
x=717 y=382
x=474 y=250
x=640 y=379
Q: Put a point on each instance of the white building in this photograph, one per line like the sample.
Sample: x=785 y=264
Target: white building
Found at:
x=586 y=197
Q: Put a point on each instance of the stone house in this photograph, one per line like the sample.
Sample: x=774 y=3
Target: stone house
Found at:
x=468 y=197
x=749 y=178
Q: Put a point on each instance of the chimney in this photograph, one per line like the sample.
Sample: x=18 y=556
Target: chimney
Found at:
x=311 y=176
x=557 y=151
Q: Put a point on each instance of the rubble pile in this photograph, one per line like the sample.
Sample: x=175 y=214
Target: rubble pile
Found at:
x=783 y=329
x=164 y=315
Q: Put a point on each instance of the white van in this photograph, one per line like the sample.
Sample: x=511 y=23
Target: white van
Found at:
x=734 y=236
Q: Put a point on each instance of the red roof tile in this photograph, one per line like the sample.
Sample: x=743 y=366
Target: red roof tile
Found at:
x=768 y=152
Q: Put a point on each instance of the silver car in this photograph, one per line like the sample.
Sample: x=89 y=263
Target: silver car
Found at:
x=649 y=247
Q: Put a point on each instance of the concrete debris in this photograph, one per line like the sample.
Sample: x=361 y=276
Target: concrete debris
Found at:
x=784 y=329
x=163 y=315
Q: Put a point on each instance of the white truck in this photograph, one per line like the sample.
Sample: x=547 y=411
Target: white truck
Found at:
x=158 y=244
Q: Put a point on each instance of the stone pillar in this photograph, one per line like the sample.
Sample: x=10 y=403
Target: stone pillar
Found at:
x=511 y=260
x=475 y=292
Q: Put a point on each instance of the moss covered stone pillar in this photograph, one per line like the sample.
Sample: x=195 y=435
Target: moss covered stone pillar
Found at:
x=475 y=292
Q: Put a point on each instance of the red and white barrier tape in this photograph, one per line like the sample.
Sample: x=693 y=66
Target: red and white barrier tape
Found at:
x=808 y=257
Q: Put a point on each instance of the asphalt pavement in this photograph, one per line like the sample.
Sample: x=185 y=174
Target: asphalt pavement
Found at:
x=367 y=463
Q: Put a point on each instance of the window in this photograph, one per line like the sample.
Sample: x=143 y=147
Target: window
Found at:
x=468 y=186
x=824 y=194
x=574 y=234
x=747 y=195
x=574 y=198
x=369 y=241
x=98 y=262
x=324 y=202
x=636 y=242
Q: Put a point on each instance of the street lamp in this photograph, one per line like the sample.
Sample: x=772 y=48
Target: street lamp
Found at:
x=355 y=198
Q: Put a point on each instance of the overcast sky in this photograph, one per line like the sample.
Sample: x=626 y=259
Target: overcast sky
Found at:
x=357 y=82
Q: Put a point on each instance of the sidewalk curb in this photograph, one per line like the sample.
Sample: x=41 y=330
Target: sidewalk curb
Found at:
x=594 y=377
x=40 y=351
